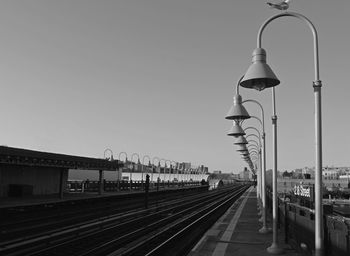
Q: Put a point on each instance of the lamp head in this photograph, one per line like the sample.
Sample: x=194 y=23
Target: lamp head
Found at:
x=242 y=148
x=259 y=75
x=237 y=111
x=236 y=130
x=241 y=140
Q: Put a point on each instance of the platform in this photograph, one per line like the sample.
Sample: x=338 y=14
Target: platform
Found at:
x=236 y=232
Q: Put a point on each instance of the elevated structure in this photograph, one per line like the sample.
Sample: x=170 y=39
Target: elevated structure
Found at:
x=28 y=172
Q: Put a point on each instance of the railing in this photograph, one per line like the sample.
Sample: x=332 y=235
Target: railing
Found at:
x=113 y=186
x=298 y=224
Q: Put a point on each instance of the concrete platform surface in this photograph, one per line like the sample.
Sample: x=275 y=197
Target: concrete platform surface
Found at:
x=236 y=232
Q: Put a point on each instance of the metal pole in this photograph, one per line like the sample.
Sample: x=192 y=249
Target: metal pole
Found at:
x=258 y=177
x=260 y=181
x=317 y=84
x=142 y=167
x=318 y=172
x=274 y=248
x=264 y=228
x=153 y=166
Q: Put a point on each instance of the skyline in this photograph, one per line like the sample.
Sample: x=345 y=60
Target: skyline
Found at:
x=158 y=77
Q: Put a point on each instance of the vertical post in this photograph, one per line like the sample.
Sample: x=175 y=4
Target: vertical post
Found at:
x=286 y=221
x=100 y=180
x=264 y=228
x=274 y=248
x=258 y=185
x=152 y=176
x=61 y=189
x=260 y=178
x=318 y=171
x=119 y=175
x=142 y=175
x=146 y=191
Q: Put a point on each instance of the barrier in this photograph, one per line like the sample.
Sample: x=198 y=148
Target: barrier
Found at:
x=123 y=185
x=298 y=223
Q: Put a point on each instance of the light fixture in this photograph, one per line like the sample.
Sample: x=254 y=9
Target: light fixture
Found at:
x=259 y=75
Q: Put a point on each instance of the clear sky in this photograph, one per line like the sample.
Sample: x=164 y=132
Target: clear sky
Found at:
x=157 y=77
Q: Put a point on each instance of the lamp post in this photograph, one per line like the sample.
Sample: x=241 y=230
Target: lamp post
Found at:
x=174 y=166
x=126 y=160
x=260 y=76
x=133 y=166
x=169 y=162
x=264 y=228
x=260 y=187
x=164 y=169
x=153 y=166
x=123 y=153
x=143 y=163
x=111 y=153
x=261 y=159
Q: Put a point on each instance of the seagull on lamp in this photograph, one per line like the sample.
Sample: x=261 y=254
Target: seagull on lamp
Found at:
x=284 y=5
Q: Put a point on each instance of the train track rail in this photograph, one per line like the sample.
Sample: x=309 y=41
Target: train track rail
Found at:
x=131 y=233
x=33 y=223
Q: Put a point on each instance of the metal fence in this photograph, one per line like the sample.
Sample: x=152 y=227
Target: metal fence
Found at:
x=113 y=186
x=298 y=223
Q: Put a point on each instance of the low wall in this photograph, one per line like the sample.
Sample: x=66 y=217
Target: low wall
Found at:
x=30 y=180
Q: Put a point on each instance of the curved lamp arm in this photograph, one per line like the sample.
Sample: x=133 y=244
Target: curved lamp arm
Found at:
x=262 y=111
x=108 y=150
x=313 y=30
x=126 y=156
x=143 y=159
x=155 y=158
x=256 y=143
x=135 y=154
x=255 y=136
x=253 y=128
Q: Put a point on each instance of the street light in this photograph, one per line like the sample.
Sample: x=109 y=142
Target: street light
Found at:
x=238 y=113
x=260 y=76
x=240 y=140
x=153 y=166
x=175 y=166
x=242 y=148
x=123 y=153
x=133 y=166
x=126 y=160
x=259 y=174
x=143 y=163
x=110 y=151
x=167 y=161
x=236 y=130
x=164 y=169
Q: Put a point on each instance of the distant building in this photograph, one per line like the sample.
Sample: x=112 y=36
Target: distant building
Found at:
x=330 y=173
x=345 y=177
x=184 y=166
x=217 y=172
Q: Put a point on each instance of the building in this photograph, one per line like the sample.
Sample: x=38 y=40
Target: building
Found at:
x=27 y=172
x=330 y=173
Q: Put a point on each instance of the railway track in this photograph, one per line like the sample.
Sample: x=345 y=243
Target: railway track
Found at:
x=20 y=222
x=146 y=232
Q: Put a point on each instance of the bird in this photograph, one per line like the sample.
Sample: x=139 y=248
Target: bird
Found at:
x=284 y=5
